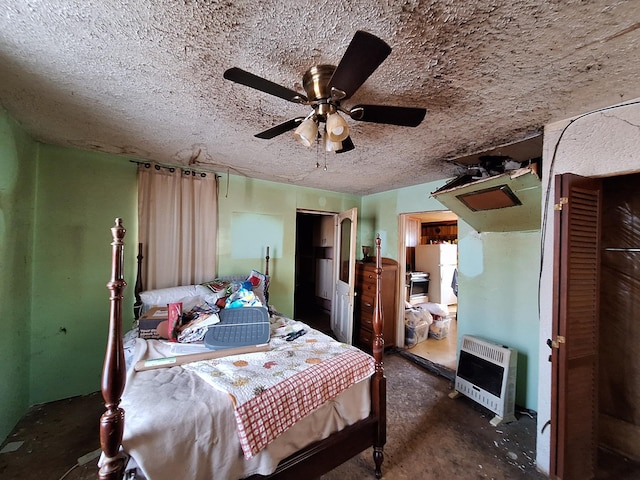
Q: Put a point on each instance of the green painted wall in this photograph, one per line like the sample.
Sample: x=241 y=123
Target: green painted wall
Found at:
x=17 y=193
x=56 y=208
x=380 y=212
x=79 y=194
x=498 y=284
x=498 y=279
x=274 y=207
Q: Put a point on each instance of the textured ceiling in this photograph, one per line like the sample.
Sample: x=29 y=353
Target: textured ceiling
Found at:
x=144 y=79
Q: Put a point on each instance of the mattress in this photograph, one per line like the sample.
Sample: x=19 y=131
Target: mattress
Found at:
x=178 y=426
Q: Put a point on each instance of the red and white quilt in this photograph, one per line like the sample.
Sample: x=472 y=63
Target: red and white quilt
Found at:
x=272 y=390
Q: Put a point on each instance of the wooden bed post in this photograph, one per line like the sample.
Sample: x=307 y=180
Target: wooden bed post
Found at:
x=139 y=287
x=266 y=272
x=114 y=370
x=266 y=262
x=314 y=460
x=379 y=382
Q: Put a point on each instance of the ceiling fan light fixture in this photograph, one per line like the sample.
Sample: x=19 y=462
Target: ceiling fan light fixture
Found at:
x=337 y=128
x=331 y=146
x=326 y=87
x=306 y=132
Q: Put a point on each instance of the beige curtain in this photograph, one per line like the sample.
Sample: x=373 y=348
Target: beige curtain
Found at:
x=178 y=217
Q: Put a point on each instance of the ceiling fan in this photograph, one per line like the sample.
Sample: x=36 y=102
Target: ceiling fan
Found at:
x=326 y=86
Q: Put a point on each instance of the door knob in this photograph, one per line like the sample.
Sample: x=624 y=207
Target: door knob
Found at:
x=555 y=343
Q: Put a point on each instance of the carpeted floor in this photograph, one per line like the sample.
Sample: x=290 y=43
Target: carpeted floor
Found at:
x=431 y=436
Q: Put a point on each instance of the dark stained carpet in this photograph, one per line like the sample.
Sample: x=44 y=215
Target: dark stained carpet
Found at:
x=429 y=436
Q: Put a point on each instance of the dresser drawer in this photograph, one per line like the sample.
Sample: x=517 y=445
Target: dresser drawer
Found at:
x=369 y=288
x=366 y=280
x=367 y=302
x=366 y=276
x=366 y=320
x=366 y=339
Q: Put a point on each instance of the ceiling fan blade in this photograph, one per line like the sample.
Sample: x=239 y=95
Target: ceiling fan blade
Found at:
x=347 y=145
x=280 y=129
x=404 y=116
x=364 y=54
x=250 y=80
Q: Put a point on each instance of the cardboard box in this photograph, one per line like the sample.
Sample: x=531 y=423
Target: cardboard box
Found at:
x=148 y=322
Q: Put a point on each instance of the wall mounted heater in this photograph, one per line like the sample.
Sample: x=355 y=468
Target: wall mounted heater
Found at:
x=486 y=373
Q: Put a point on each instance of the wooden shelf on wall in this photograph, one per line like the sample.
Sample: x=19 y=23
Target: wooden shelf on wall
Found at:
x=445 y=231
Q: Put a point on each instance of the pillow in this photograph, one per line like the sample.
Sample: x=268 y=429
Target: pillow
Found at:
x=162 y=296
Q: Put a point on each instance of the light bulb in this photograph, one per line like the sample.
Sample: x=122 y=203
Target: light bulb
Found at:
x=331 y=146
x=337 y=128
x=306 y=132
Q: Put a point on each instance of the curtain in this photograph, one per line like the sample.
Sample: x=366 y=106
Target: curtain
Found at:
x=177 y=221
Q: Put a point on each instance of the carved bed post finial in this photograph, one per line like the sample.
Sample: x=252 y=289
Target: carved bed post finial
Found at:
x=267 y=257
x=113 y=371
x=379 y=382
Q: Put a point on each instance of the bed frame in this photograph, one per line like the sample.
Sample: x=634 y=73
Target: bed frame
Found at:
x=311 y=462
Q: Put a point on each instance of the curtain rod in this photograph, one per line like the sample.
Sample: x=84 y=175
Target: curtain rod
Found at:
x=181 y=167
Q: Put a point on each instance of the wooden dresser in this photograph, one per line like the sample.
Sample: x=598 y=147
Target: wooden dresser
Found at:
x=365 y=297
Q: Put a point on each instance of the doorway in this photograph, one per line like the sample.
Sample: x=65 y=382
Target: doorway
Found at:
x=314 y=265
x=619 y=330
x=595 y=419
x=429 y=246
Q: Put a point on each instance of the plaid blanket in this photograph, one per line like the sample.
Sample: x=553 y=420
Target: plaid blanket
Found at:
x=273 y=390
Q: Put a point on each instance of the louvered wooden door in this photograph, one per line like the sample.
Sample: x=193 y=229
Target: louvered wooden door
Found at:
x=574 y=406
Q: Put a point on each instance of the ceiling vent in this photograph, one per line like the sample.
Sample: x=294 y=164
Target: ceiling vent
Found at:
x=501 y=203
x=500 y=196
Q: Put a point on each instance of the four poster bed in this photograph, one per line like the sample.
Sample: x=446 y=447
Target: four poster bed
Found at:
x=295 y=409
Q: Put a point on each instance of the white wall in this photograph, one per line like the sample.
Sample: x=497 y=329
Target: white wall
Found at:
x=602 y=143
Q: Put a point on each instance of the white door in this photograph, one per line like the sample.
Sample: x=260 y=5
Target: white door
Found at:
x=345 y=273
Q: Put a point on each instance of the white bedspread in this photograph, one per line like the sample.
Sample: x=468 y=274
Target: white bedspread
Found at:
x=178 y=426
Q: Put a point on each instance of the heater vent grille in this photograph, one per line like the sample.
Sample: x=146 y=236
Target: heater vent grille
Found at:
x=486 y=373
x=484 y=350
